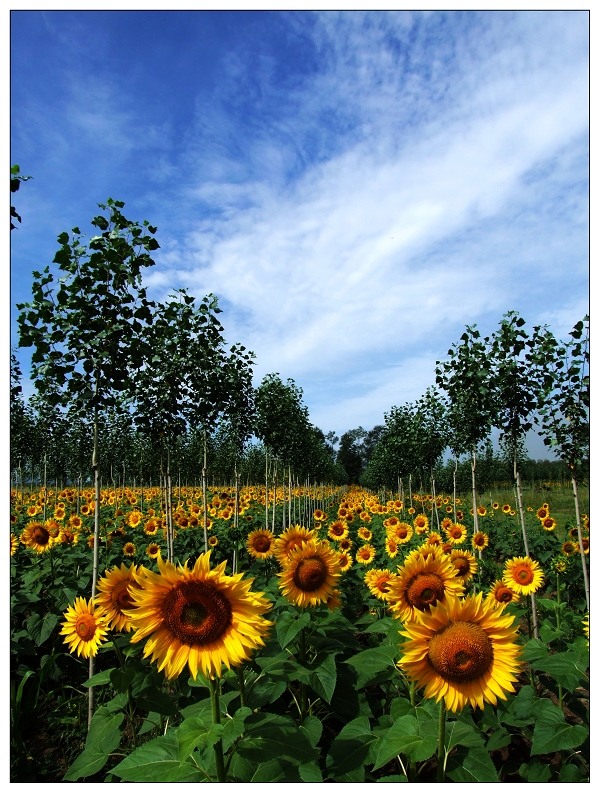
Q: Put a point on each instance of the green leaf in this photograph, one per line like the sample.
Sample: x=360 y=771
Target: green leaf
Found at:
x=158 y=761
x=471 y=765
x=192 y=733
x=401 y=738
x=372 y=662
x=535 y=771
x=552 y=734
x=310 y=772
x=235 y=727
x=100 y=679
x=289 y=624
x=40 y=628
x=567 y=668
x=323 y=677
x=460 y=733
x=103 y=738
x=269 y=736
x=348 y=752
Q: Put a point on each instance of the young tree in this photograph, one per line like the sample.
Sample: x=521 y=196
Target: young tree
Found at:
x=88 y=327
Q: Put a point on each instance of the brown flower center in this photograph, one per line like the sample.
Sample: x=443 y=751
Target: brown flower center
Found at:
x=120 y=597
x=461 y=652
x=523 y=574
x=196 y=613
x=504 y=594
x=310 y=574
x=424 y=590
x=40 y=535
x=262 y=544
x=462 y=565
x=85 y=627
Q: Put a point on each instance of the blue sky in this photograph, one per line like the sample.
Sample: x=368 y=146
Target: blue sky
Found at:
x=355 y=187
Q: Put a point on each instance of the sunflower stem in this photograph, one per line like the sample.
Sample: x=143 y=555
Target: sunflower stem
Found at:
x=441 y=755
x=216 y=716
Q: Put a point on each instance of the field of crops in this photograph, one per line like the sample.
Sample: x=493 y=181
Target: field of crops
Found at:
x=318 y=634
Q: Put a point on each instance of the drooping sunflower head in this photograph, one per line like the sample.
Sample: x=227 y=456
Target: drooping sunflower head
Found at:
x=523 y=574
x=84 y=628
x=310 y=574
x=197 y=617
x=421 y=582
x=463 y=651
x=259 y=543
x=14 y=544
x=290 y=539
x=114 y=595
x=391 y=547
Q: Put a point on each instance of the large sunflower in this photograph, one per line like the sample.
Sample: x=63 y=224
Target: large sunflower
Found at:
x=523 y=574
x=310 y=574
x=259 y=543
x=114 y=595
x=37 y=537
x=197 y=616
x=463 y=651
x=421 y=582
x=85 y=627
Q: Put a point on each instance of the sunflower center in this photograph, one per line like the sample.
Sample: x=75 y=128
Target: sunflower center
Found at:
x=461 y=652
x=120 y=596
x=310 y=574
x=41 y=535
x=196 y=613
x=504 y=594
x=524 y=575
x=262 y=544
x=424 y=590
x=462 y=565
x=86 y=627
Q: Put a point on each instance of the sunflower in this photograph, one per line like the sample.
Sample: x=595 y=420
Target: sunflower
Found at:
x=585 y=545
x=334 y=601
x=345 y=544
x=456 y=533
x=500 y=594
x=33 y=510
x=523 y=575
x=290 y=539
x=480 y=540
x=213 y=541
x=68 y=536
x=402 y=532
x=421 y=582
x=446 y=523
x=114 y=595
x=199 y=617
x=365 y=534
x=391 y=522
x=506 y=508
x=338 y=530
x=433 y=538
x=421 y=524
x=128 y=549
x=481 y=511
x=378 y=582
x=465 y=563
x=37 y=536
x=365 y=554
x=14 y=544
x=391 y=547
x=151 y=527
x=134 y=518
x=319 y=516
x=310 y=574
x=153 y=550
x=75 y=522
x=259 y=543
x=548 y=523
x=84 y=628
x=542 y=513
x=345 y=561
x=463 y=651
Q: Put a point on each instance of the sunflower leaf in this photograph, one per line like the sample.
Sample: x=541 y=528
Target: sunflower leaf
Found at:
x=471 y=765
x=348 y=752
x=323 y=677
x=567 y=668
x=552 y=734
x=370 y=663
x=271 y=736
x=289 y=625
x=158 y=761
x=103 y=738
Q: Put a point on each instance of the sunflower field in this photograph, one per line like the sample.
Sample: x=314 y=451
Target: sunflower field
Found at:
x=203 y=590
x=378 y=638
